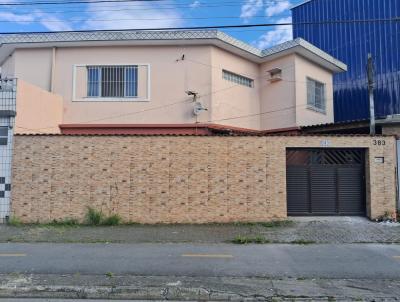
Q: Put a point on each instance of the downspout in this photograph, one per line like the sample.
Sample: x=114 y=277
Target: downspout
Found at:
x=53 y=69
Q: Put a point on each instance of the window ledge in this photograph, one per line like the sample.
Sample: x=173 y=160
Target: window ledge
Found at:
x=114 y=100
x=319 y=110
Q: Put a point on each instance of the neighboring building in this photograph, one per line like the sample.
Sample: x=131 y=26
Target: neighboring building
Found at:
x=86 y=81
x=351 y=43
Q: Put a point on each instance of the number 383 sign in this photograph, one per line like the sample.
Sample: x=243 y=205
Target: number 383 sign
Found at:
x=379 y=142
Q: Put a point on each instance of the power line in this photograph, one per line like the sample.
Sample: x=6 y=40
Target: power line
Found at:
x=73 y=2
x=396 y=19
x=127 y=19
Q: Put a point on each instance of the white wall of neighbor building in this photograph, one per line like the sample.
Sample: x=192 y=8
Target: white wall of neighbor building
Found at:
x=163 y=95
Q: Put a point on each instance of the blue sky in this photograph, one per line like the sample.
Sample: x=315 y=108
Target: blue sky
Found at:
x=165 y=13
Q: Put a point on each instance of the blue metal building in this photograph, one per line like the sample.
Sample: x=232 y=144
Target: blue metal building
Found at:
x=351 y=43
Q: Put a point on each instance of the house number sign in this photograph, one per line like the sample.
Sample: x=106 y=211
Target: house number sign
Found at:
x=379 y=142
x=325 y=143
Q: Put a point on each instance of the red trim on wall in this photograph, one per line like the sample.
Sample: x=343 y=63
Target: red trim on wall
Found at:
x=164 y=129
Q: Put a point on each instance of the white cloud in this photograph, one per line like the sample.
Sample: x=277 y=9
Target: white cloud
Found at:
x=49 y=21
x=195 y=4
x=274 y=8
x=18 y=18
x=126 y=19
x=276 y=36
x=250 y=8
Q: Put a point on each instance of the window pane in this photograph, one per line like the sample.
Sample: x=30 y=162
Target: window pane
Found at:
x=4 y=131
x=238 y=79
x=131 y=83
x=93 y=74
x=112 y=81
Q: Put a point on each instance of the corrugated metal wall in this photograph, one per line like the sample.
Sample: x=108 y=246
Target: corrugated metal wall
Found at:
x=351 y=43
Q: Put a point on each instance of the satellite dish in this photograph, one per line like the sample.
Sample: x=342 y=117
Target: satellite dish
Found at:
x=198 y=108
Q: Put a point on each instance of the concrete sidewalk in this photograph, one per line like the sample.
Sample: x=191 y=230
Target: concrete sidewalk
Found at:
x=311 y=230
x=196 y=289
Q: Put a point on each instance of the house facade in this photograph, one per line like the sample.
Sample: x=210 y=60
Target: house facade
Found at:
x=82 y=79
x=98 y=118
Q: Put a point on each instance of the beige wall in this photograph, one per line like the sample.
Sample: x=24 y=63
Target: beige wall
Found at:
x=230 y=99
x=305 y=116
x=278 y=98
x=34 y=66
x=38 y=111
x=8 y=67
x=174 y=179
x=265 y=106
x=169 y=81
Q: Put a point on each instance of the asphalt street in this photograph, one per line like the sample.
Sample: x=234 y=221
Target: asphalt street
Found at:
x=358 y=261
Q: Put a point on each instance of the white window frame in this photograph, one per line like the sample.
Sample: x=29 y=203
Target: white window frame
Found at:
x=111 y=99
x=311 y=105
x=230 y=76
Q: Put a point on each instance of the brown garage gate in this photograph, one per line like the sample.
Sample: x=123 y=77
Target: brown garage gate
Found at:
x=325 y=181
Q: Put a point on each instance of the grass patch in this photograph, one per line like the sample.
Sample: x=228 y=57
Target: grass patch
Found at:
x=94 y=217
x=114 y=219
x=267 y=224
x=303 y=242
x=276 y=223
x=14 y=221
x=249 y=240
x=67 y=222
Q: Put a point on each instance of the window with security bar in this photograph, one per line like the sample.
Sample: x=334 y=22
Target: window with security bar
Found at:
x=112 y=81
x=316 y=96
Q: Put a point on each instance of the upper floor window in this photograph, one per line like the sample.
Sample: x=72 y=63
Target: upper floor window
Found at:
x=112 y=81
x=316 y=96
x=238 y=79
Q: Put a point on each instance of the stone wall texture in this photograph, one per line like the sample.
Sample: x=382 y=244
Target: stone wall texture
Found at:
x=172 y=179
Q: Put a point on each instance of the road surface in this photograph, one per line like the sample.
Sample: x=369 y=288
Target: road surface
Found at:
x=357 y=261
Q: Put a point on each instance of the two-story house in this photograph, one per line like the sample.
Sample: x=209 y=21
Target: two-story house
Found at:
x=110 y=81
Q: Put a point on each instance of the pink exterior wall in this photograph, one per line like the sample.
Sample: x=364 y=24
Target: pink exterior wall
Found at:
x=305 y=116
x=38 y=111
x=278 y=99
x=169 y=81
x=234 y=104
x=34 y=66
x=262 y=107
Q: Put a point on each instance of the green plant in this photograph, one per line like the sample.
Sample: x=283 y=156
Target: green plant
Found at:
x=110 y=274
x=303 y=242
x=64 y=222
x=276 y=223
x=94 y=217
x=114 y=219
x=247 y=240
x=14 y=221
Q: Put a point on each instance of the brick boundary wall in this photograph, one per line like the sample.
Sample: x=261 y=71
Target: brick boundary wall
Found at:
x=174 y=179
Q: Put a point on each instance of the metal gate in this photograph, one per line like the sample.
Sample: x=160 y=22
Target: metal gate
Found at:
x=325 y=181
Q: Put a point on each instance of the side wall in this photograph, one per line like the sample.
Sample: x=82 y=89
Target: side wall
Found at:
x=173 y=179
x=38 y=111
x=304 y=115
x=278 y=99
x=234 y=104
x=8 y=67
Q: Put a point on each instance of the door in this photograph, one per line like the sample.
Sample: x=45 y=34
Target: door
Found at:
x=325 y=181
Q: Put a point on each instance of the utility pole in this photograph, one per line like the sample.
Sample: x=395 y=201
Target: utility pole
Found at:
x=370 y=74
